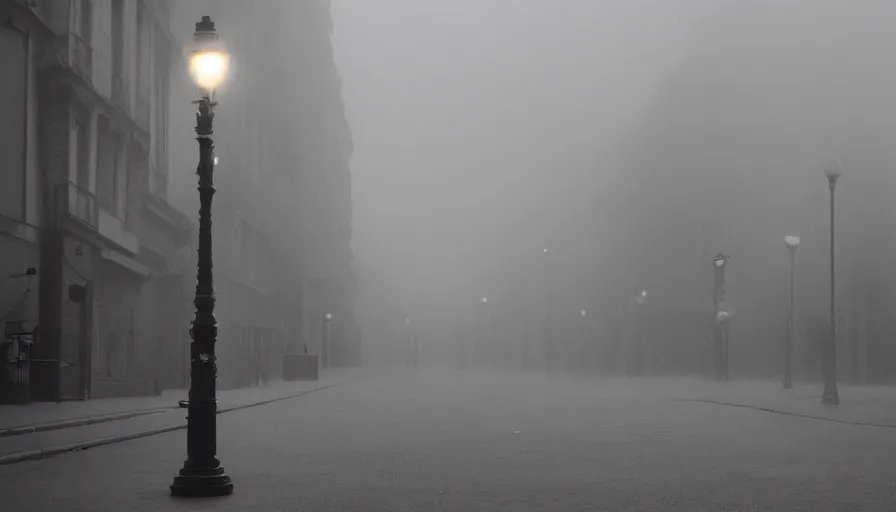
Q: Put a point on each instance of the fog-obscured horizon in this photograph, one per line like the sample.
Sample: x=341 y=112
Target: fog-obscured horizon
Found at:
x=484 y=132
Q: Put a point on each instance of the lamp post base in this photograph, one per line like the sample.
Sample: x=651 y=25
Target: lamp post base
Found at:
x=201 y=483
x=830 y=396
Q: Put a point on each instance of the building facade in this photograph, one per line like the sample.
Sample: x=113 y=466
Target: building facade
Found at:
x=282 y=210
x=730 y=157
x=96 y=78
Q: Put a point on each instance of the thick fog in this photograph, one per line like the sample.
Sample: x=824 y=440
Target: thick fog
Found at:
x=484 y=132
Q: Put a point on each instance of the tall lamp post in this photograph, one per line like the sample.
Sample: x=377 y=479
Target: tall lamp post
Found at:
x=549 y=306
x=831 y=396
x=483 y=342
x=634 y=355
x=202 y=474
x=583 y=348
x=720 y=263
x=328 y=336
x=792 y=243
x=410 y=340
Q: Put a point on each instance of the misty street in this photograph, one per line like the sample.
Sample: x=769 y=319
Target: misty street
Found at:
x=441 y=440
x=465 y=255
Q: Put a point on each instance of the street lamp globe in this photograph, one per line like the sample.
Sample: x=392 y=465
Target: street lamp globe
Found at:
x=583 y=312
x=722 y=317
x=545 y=250
x=209 y=62
x=792 y=241
x=328 y=316
x=407 y=321
x=833 y=170
x=719 y=260
x=485 y=300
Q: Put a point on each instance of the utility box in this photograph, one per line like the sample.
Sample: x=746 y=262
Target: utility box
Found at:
x=299 y=367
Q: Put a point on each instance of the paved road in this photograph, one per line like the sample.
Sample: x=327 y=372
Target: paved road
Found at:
x=434 y=442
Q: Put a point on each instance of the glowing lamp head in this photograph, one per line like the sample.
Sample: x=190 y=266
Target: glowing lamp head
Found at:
x=792 y=241
x=723 y=317
x=485 y=300
x=833 y=170
x=641 y=297
x=407 y=321
x=719 y=260
x=583 y=312
x=545 y=250
x=209 y=62
x=328 y=316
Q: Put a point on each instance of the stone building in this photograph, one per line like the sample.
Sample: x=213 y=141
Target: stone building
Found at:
x=97 y=76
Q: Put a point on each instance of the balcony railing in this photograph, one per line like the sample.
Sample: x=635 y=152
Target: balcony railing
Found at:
x=80 y=56
x=80 y=204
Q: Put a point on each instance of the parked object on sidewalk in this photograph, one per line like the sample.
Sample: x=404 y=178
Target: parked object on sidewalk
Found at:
x=300 y=367
x=15 y=356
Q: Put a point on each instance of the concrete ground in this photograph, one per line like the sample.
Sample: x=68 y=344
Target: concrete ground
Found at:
x=441 y=441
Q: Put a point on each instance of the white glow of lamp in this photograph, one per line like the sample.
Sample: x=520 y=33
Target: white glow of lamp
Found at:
x=209 y=61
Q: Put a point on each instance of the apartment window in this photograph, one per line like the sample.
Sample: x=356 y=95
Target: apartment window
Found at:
x=85 y=23
x=13 y=122
x=83 y=121
x=142 y=62
x=120 y=176
x=118 y=53
x=105 y=164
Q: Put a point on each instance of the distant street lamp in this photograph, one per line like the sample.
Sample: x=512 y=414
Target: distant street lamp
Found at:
x=831 y=396
x=327 y=343
x=583 y=347
x=641 y=297
x=634 y=352
x=549 y=316
x=202 y=474
x=719 y=262
x=792 y=243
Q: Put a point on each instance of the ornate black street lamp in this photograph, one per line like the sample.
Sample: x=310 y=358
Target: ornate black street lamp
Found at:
x=202 y=474
x=831 y=396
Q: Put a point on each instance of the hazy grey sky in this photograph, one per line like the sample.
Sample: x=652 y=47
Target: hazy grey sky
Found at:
x=481 y=126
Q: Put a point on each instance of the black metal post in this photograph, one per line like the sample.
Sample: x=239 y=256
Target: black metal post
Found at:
x=831 y=396
x=325 y=342
x=719 y=336
x=202 y=474
x=788 y=346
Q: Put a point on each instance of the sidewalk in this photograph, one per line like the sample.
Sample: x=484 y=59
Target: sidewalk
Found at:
x=862 y=405
x=47 y=413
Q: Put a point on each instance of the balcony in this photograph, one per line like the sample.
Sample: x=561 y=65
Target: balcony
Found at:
x=114 y=230
x=75 y=53
x=79 y=204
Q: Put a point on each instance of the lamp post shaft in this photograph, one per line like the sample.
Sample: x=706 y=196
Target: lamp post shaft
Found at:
x=202 y=474
x=830 y=395
x=788 y=347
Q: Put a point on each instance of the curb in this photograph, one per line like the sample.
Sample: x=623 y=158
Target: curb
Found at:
x=79 y=422
x=44 y=453
x=786 y=413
